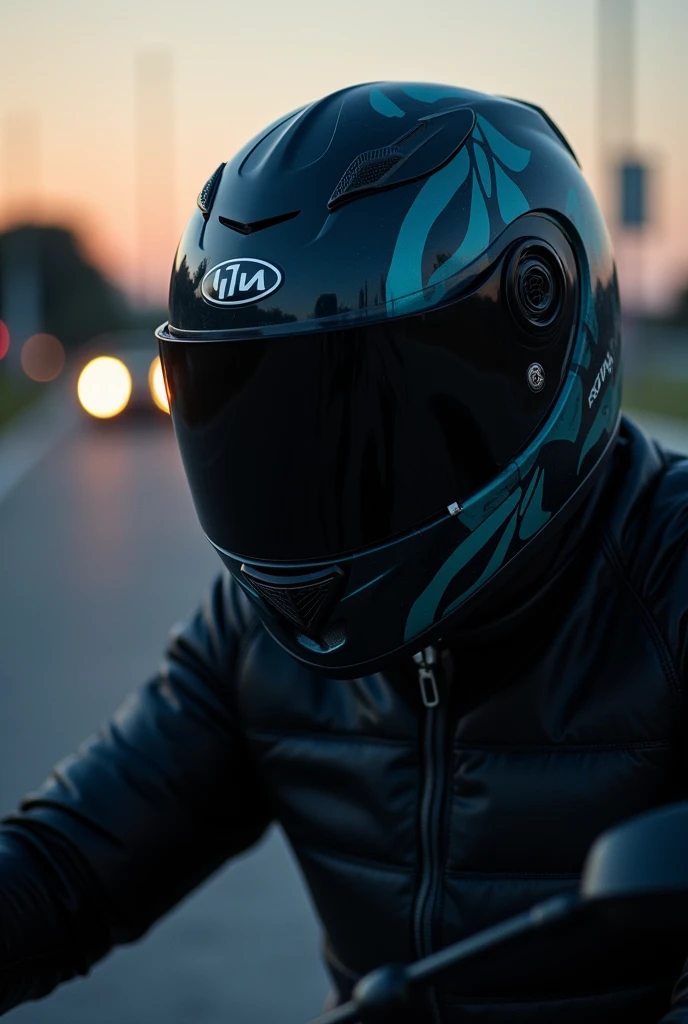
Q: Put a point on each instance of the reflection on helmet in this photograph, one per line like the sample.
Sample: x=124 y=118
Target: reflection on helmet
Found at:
x=392 y=361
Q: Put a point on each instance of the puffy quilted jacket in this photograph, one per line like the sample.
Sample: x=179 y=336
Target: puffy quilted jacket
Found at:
x=414 y=825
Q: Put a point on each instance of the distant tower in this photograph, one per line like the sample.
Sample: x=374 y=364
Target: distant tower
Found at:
x=623 y=175
x=616 y=95
x=155 y=194
x=21 y=300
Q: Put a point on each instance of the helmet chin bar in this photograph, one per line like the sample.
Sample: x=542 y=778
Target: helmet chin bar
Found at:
x=365 y=626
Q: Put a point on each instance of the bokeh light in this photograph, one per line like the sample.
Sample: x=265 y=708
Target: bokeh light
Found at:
x=42 y=357
x=156 y=382
x=4 y=339
x=104 y=387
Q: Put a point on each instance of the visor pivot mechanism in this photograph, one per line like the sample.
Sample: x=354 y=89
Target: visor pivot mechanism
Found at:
x=426 y=676
x=536 y=377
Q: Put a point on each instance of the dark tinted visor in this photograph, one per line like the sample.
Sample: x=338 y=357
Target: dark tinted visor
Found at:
x=316 y=445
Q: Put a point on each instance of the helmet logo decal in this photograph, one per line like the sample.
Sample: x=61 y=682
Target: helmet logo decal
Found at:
x=607 y=413
x=240 y=281
x=606 y=368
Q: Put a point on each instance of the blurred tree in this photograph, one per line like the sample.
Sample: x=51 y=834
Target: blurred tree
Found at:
x=77 y=300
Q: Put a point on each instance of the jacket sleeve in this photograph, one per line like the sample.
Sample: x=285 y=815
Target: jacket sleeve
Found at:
x=147 y=809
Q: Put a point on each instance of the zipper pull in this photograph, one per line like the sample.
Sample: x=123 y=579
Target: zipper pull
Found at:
x=426 y=676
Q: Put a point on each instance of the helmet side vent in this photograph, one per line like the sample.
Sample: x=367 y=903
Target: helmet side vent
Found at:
x=206 y=196
x=536 y=288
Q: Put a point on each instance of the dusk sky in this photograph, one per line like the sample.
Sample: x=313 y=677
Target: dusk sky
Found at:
x=67 y=78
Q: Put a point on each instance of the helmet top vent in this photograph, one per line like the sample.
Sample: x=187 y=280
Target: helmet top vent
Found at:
x=423 y=149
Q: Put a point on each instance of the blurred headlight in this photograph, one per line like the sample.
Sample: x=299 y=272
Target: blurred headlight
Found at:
x=156 y=383
x=104 y=387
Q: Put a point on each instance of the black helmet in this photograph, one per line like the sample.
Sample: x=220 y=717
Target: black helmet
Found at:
x=392 y=360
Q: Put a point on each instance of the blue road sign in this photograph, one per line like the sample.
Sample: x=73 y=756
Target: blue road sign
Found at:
x=633 y=177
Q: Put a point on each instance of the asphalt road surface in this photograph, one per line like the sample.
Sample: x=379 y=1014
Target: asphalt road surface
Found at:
x=101 y=553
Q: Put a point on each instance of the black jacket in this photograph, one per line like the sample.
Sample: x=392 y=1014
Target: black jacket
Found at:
x=413 y=826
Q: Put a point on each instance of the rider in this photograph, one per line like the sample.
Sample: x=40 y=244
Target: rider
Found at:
x=448 y=647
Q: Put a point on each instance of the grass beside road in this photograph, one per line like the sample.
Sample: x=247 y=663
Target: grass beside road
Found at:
x=15 y=395
x=655 y=395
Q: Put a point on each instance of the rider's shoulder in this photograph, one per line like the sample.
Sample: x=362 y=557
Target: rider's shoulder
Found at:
x=648 y=520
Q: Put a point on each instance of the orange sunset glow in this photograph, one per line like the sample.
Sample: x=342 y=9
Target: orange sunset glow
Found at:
x=112 y=115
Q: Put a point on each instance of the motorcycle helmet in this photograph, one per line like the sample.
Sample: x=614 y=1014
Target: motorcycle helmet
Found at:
x=392 y=361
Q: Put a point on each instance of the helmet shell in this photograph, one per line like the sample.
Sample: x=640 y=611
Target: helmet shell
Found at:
x=381 y=208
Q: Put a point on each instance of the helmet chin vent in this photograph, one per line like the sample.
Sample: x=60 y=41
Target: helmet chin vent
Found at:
x=304 y=601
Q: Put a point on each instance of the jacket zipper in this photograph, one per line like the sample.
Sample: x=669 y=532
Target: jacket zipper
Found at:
x=431 y=806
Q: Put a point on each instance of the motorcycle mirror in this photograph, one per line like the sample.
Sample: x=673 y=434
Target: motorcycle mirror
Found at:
x=636 y=875
x=645 y=858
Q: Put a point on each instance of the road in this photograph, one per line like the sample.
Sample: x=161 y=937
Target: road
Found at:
x=101 y=553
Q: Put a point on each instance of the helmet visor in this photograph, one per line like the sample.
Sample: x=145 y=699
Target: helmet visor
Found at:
x=316 y=445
